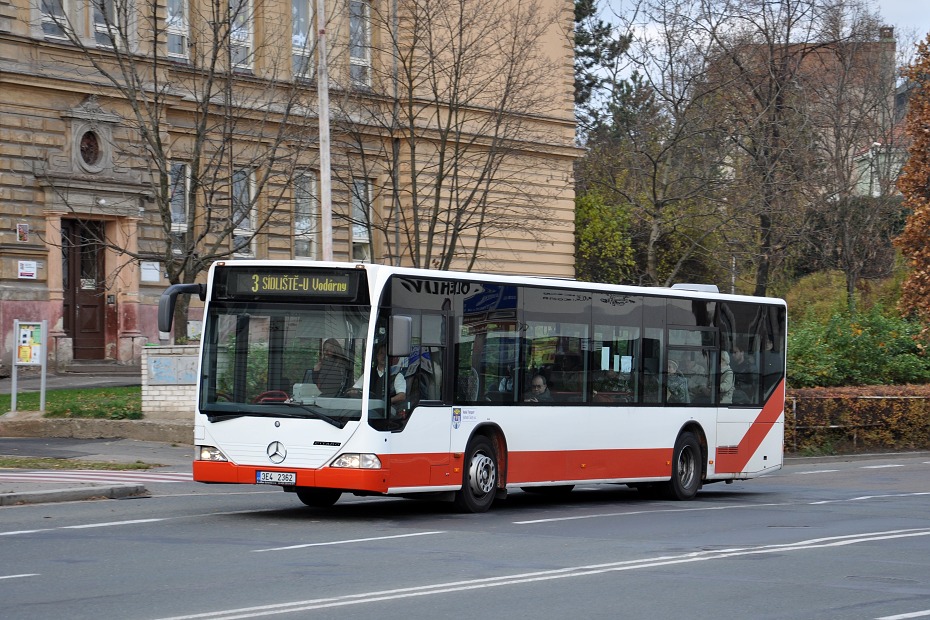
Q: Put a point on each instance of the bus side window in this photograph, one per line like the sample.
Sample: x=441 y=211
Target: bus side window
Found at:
x=423 y=367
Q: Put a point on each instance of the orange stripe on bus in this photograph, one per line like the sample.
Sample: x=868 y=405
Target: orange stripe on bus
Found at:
x=413 y=470
x=734 y=463
x=588 y=465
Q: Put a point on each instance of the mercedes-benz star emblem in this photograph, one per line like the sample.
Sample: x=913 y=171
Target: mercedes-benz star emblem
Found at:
x=276 y=452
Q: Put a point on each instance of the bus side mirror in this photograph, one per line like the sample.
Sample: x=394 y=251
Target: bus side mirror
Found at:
x=169 y=299
x=401 y=336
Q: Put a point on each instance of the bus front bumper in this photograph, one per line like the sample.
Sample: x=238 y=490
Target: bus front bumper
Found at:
x=365 y=480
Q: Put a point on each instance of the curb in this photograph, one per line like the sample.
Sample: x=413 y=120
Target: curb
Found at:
x=82 y=428
x=73 y=495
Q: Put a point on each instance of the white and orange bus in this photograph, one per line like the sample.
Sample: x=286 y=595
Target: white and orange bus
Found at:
x=661 y=389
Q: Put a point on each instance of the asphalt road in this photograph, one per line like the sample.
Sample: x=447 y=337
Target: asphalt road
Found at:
x=831 y=539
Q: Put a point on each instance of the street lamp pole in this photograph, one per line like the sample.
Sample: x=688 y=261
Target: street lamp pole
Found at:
x=326 y=201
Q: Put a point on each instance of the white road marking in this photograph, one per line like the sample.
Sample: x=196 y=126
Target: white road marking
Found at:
x=868 y=497
x=913 y=614
x=109 y=524
x=19 y=576
x=118 y=523
x=815 y=471
x=94 y=475
x=345 y=542
x=628 y=513
x=880 y=466
x=562 y=573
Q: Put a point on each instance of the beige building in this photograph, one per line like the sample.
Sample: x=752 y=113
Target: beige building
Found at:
x=137 y=148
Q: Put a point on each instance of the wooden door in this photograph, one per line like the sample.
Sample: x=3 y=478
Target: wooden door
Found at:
x=84 y=291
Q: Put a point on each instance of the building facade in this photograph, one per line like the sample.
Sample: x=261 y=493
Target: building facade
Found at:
x=139 y=142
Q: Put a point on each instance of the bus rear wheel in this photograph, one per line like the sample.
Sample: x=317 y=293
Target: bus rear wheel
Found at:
x=686 y=468
x=318 y=498
x=479 y=481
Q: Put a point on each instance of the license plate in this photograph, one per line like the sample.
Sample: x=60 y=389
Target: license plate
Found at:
x=275 y=477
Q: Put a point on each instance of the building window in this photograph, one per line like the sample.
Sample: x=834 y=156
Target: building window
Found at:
x=178 y=179
x=108 y=30
x=177 y=28
x=359 y=43
x=306 y=212
x=243 y=214
x=302 y=39
x=240 y=33
x=90 y=149
x=53 y=18
x=361 y=218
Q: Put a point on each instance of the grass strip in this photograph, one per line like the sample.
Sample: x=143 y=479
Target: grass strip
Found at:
x=29 y=462
x=106 y=403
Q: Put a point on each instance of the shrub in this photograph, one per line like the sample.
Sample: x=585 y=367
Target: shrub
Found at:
x=871 y=348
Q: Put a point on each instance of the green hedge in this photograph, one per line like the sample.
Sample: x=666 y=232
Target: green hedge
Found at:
x=844 y=424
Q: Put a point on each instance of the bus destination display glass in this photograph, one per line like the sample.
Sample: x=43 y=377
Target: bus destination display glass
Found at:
x=265 y=283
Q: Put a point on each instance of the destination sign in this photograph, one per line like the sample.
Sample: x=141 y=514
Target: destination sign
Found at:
x=294 y=283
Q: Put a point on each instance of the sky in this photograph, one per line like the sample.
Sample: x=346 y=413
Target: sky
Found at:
x=906 y=14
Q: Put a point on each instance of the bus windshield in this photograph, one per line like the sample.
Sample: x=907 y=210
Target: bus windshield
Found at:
x=283 y=360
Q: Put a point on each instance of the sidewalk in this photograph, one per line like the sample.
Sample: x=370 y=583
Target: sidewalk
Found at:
x=173 y=458
x=32 y=424
x=35 y=437
x=30 y=380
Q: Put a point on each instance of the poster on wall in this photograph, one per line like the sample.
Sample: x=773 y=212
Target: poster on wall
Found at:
x=150 y=272
x=28 y=269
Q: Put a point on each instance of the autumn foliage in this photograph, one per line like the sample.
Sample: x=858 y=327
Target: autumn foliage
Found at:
x=858 y=419
x=914 y=184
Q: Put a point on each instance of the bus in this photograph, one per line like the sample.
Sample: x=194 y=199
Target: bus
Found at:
x=327 y=378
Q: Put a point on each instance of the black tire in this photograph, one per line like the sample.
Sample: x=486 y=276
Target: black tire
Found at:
x=686 y=468
x=479 y=480
x=318 y=498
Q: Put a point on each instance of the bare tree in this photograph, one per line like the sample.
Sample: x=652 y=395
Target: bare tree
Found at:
x=217 y=126
x=759 y=50
x=852 y=107
x=656 y=147
x=799 y=110
x=451 y=123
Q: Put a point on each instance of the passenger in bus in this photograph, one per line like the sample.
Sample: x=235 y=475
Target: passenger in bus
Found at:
x=745 y=370
x=539 y=391
x=676 y=385
x=609 y=386
x=698 y=382
x=727 y=379
x=331 y=372
x=506 y=383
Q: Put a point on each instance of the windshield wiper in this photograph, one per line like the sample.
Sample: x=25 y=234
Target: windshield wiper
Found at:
x=222 y=417
x=315 y=412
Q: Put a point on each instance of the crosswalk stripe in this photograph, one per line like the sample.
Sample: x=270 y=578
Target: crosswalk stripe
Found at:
x=93 y=476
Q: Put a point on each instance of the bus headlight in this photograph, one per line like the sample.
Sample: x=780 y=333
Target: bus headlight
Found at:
x=357 y=461
x=209 y=453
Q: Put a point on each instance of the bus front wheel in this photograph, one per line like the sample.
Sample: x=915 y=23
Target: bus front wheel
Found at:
x=318 y=498
x=686 y=468
x=479 y=480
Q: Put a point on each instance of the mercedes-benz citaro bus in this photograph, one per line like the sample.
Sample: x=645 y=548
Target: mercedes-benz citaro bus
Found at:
x=329 y=378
